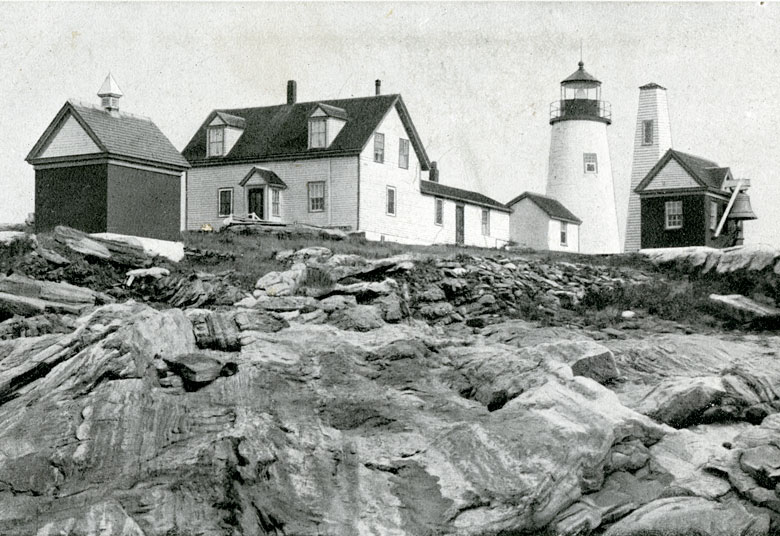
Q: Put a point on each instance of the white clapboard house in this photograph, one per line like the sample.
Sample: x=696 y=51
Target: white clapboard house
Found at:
x=355 y=164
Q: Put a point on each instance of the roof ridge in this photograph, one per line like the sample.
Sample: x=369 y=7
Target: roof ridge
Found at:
x=120 y=113
x=321 y=101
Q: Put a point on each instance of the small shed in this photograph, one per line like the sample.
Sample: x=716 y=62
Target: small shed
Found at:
x=541 y=222
x=101 y=170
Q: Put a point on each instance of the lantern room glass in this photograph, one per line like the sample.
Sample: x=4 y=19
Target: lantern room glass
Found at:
x=580 y=91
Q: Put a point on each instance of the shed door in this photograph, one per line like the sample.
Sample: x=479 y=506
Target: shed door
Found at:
x=459 y=225
x=257 y=202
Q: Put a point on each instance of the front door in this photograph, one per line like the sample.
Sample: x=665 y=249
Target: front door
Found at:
x=459 y=224
x=257 y=202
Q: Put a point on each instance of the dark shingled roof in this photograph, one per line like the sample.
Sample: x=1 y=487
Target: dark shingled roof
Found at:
x=118 y=135
x=551 y=206
x=232 y=120
x=281 y=132
x=705 y=172
x=581 y=75
x=652 y=85
x=458 y=194
x=333 y=111
x=271 y=178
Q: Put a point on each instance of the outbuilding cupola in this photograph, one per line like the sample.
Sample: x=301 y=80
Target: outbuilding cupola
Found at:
x=110 y=94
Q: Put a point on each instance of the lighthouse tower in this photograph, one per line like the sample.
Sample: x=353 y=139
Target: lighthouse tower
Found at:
x=580 y=171
x=652 y=138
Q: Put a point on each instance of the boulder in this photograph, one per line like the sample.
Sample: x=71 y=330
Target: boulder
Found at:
x=282 y=283
x=366 y=291
x=223 y=330
x=310 y=254
x=586 y=358
x=199 y=369
x=742 y=309
x=358 y=318
x=336 y=302
x=684 y=516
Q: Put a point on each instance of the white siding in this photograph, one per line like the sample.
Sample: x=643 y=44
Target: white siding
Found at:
x=672 y=175
x=529 y=225
x=653 y=106
x=339 y=175
x=70 y=139
x=572 y=237
x=333 y=128
x=231 y=137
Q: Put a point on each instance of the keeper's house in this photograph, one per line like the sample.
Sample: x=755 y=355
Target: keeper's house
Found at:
x=356 y=164
x=101 y=170
x=683 y=199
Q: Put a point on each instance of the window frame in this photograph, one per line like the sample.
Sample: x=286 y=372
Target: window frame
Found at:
x=389 y=189
x=221 y=142
x=645 y=124
x=714 y=219
x=485 y=221
x=403 y=153
x=276 y=203
x=379 y=148
x=595 y=162
x=438 y=211
x=318 y=121
x=309 y=186
x=678 y=219
x=564 y=233
x=219 y=202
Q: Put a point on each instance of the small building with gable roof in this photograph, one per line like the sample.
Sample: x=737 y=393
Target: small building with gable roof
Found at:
x=99 y=169
x=541 y=222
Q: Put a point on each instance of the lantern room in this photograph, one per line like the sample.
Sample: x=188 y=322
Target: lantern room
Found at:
x=580 y=99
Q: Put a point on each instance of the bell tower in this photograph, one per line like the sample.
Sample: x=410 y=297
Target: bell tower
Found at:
x=652 y=138
x=579 y=173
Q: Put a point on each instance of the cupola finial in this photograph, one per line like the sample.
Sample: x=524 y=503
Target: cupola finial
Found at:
x=110 y=94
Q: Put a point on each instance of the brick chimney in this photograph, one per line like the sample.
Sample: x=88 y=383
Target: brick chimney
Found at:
x=292 y=91
x=378 y=86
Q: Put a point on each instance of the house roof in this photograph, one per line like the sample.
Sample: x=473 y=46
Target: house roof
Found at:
x=271 y=178
x=333 y=111
x=232 y=120
x=551 y=206
x=117 y=134
x=281 y=132
x=458 y=194
x=581 y=75
x=706 y=173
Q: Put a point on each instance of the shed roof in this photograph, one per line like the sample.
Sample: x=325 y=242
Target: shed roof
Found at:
x=117 y=134
x=551 y=206
x=281 y=132
x=705 y=172
x=458 y=194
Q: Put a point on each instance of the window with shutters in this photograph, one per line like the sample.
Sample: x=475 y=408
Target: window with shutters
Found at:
x=216 y=145
x=438 y=216
x=379 y=147
x=647 y=132
x=225 y=202
x=316 y=196
x=275 y=202
x=591 y=163
x=485 y=222
x=674 y=214
x=403 y=153
x=391 y=201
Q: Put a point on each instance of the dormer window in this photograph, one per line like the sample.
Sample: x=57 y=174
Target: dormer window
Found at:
x=318 y=133
x=216 y=145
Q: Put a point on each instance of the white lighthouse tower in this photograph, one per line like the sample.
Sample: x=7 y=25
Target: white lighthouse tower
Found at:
x=580 y=171
x=652 y=138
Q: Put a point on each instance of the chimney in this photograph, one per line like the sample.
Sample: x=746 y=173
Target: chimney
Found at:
x=378 y=85
x=433 y=173
x=292 y=90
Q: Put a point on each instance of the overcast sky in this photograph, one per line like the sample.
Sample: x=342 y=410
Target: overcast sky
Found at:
x=477 y=77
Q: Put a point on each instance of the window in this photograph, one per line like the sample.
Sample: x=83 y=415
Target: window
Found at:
x=379 y=148
x=674 y=214
x=485 y=222
x=591 y=164
x=225 y=202
x=275 y=195
x=216 y=145
x=317 y=133
x=316 y=196
x=713 y=215
x=390 y=201
x=564 y=233
x=438 y=217
x=647 y=132
x=403 y=153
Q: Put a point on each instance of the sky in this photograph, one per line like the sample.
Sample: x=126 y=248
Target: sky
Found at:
x=477 y=77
